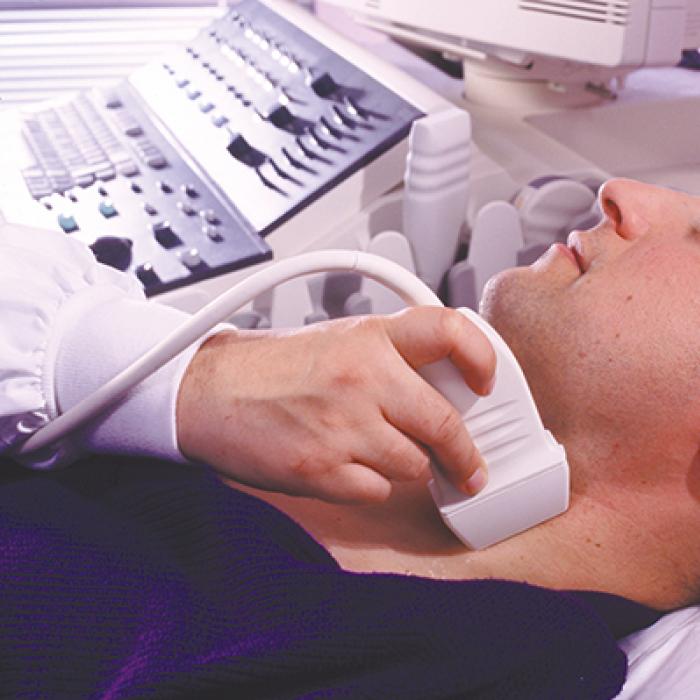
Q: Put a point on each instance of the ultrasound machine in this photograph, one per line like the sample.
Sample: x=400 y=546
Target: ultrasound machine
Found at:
x=270 y=134
x=278 y=131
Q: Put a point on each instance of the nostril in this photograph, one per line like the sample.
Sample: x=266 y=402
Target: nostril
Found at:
x=613 y=211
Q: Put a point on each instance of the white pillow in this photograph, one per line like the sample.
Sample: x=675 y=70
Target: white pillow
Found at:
x=664 y=659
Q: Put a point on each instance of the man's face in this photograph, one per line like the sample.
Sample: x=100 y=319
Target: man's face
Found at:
x=607 y=330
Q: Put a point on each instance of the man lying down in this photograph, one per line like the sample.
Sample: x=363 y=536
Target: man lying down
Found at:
x=128 y=577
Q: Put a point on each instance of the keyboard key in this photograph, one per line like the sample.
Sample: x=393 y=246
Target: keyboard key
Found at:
x=147 y=274
x=113 y=251
x=190 y=191
x=67 y=223
x=186 y=209
x=219 y=120
x=112 y=101
x=210 y=216
x=165 y=235
x=108 y=173
x=191 y=258
x=128 y=168
x=107 y=209
x=133 y=130
x=241 y=150
x=212 y=233
x=324 y=86
x=156 y=161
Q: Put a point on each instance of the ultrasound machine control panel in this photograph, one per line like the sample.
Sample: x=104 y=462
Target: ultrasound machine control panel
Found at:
x=182 y=172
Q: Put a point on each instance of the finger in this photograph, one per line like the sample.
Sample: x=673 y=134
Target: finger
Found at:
x=352 y=483
x=427 y=334
x=393 y=454
x=432 y=420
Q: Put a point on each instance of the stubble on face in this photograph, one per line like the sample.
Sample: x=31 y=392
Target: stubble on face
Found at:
x=608 y=361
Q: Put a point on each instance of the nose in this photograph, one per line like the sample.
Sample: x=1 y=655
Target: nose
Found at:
x=628 y=206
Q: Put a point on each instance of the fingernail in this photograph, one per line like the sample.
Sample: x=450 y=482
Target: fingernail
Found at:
x=477 y=481
x=490 y=385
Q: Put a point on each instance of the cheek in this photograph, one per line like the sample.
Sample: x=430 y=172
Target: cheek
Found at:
x=589 y=350
x=615 y=355
x=632 y=357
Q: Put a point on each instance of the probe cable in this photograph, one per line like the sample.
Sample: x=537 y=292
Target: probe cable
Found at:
x=396 y=278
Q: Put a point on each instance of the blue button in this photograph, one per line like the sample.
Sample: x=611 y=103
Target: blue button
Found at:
x=107 y=209
x=67 y=223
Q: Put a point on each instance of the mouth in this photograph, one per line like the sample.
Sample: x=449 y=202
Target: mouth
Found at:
x=574 y=244
x=579 y=260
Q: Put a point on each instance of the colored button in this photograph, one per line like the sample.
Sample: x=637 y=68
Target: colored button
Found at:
x=107 y=209
x=67 y=223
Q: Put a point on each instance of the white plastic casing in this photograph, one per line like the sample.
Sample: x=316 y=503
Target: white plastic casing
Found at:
x=528 y=470
x=599 y=32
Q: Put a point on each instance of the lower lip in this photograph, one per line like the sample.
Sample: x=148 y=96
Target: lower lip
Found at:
x=561 y=248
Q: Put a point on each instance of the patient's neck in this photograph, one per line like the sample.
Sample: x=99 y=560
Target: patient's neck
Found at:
x=598 y=544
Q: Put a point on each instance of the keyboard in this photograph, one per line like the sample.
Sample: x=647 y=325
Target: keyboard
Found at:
x=193 y=167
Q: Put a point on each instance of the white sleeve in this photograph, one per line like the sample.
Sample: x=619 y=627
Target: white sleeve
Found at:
x=67 y=325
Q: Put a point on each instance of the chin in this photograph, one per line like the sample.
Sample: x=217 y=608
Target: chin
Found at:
x=521 y=312
x=502 y=298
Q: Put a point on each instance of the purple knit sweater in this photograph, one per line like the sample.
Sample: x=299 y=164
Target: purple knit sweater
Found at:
x=139 y=579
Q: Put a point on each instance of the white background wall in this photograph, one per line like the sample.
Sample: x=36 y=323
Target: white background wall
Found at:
x=50 y=47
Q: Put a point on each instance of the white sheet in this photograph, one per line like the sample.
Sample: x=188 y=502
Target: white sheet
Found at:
x=665 y=659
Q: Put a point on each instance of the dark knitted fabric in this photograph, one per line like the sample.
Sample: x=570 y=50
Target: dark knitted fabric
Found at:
x=138 y=579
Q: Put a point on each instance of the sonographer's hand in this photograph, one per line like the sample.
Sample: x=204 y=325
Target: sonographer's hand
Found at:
x=335 y=410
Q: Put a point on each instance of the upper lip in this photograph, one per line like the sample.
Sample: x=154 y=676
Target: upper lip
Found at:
x=575 y=245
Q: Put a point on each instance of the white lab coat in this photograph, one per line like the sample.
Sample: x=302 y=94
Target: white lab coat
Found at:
x=67 y=325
